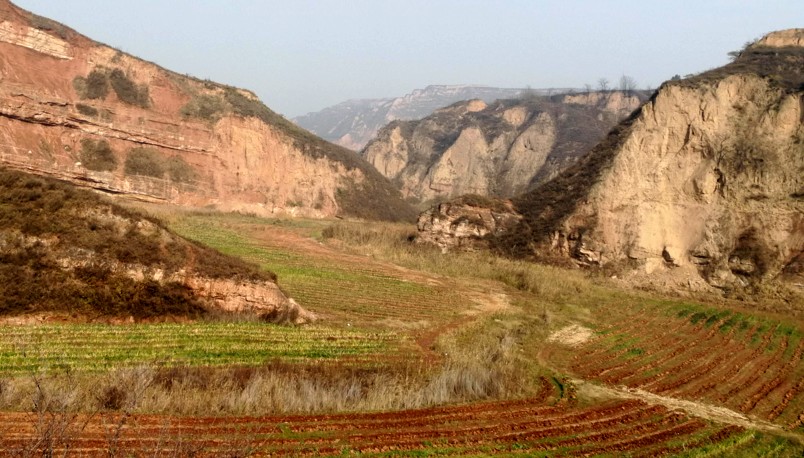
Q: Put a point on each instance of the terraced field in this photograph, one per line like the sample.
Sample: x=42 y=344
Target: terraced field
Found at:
x=656 y=377
x=746 y=363
x=28 y=350
x=527 y=427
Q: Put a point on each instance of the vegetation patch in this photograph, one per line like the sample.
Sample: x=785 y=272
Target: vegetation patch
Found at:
x=145 y=161
x=206 y=107
x=97 y=155
x=94 y=86
x=48 y=25
x=128 y=91
x=86 y=110
x=98 y=347
x=179 y=170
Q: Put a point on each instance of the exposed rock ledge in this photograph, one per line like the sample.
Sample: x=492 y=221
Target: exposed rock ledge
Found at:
x=466 y=223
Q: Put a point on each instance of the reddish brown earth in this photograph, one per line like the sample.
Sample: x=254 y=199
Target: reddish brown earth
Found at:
x=236 y=155
x=522 y=426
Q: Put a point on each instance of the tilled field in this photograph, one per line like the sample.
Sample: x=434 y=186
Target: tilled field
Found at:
x=750 y=365
x=528 y=427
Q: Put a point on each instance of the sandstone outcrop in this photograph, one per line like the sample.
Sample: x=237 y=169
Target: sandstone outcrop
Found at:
x=466 y=223
x=84 y=112
x=500 y=149
x=707 y=180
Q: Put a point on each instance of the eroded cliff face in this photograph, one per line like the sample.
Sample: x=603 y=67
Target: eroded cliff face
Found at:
x=81 y=111
x=501 y=149
x=706 y=182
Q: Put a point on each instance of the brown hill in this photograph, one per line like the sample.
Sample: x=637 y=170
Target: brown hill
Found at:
x=705 y=181
x=82 y=111
x=67 y=252
x=498 y=149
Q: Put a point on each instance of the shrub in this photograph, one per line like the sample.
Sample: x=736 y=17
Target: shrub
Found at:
x=97 y=155
x=207 y=107
x=179 y=170
x=128 y=91
x=144 y=161
x=86 y=110
x=97 y=85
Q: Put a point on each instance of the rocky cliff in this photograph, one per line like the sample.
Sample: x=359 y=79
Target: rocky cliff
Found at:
x=353 y=123
x=82 y=111
x=501 y=149
x=705 y=181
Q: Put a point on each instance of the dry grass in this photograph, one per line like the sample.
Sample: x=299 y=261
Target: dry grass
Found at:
x=488 y=368
x=396 y=243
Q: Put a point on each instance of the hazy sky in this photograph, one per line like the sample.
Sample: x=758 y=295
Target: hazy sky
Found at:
x=304 y=55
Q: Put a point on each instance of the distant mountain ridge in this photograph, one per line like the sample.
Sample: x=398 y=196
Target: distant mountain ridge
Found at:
x=502 y=148
x=353 y=123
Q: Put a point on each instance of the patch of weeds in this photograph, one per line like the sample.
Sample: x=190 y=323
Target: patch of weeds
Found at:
x=684 y=313
x=97 y=155
x=128 y=91
x=95 y=86
x=87 y=110
x=697 y=317
x=179 y=170
x=207 y=107
x=48 y=25
x=714 y=318
x=727 y=325
x=144 y=161
x=633 y=352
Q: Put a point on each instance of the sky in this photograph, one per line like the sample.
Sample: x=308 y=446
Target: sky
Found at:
x=304 y=55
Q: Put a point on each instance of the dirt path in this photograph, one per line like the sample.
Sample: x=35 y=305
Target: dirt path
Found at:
x=697 y=409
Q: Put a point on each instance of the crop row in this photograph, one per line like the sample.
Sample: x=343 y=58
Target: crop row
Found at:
x=525 y=427
x=99 y=347
x=749 y=364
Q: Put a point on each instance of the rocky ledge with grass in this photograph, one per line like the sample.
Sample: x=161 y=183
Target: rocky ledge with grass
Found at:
x=67 y=253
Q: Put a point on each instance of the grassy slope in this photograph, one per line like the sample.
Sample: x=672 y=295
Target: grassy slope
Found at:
x=44 y=222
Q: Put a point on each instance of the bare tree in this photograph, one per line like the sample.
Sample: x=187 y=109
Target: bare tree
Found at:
x=587 y=88
x=627 y=84
x=603 y=84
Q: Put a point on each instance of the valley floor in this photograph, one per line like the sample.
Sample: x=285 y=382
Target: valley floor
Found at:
x=415 y=353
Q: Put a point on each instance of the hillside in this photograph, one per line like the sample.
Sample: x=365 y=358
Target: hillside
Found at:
x=704 y=182
x=68 y=252
x=354 y=123
x=502 y=149
x=84 y=112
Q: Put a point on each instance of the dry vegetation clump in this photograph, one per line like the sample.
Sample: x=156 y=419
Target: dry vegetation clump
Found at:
x=97 y=155
x=95 y=86
x=780 y=66
x=59 y=244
